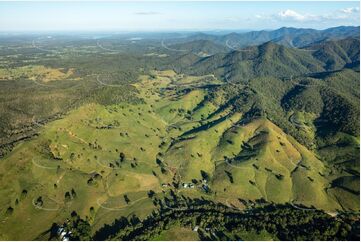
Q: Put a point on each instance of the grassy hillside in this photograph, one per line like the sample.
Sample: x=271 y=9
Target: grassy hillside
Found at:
x=182 y=132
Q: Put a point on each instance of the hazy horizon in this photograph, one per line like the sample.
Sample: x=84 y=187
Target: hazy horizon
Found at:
x=144 y=32
x=173 y=16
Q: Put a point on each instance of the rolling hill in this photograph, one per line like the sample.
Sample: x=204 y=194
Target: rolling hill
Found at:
x=168 y=134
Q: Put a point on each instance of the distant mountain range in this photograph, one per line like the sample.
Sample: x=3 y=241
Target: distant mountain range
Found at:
x=292 y=37
x=270 y=59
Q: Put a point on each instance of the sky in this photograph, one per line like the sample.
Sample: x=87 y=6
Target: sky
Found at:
x=165 y=16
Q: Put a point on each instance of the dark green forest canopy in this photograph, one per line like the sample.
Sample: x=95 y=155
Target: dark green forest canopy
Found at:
x=219 y=222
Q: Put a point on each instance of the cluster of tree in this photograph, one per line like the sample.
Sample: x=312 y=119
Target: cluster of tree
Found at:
x=117 y=163
x=24 y=193
x=94 y=179
x=163 y=167
x=68 y=196
x=284 y=222
x=75 y=227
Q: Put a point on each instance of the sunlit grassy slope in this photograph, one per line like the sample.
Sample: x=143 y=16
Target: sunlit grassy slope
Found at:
x=107 y=158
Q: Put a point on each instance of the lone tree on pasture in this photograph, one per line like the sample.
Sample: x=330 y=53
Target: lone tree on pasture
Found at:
x=24 y=193
x=121 y=156
x=67 y=197
x=205 y=175
x=73 y=193
x=9 y=210
x=126 y=198
x=39 y=201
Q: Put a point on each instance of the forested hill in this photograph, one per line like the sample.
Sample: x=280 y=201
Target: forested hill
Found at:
x=292 y=37
x=271 y=59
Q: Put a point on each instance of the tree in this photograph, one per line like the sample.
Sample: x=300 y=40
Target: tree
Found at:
x=229 y=174
x=24 y=193
x=163 y=170
x=134 y=220
x=72 y=156
x=73 y=193
x=151 y=193
x=74 y=214
x=80 y=228
x=279 y=176
x=39 y=202
x=159 y=162
x=92 y=211
x=9 y=210
x=127 y=200
x=121 y=156
x=205 y=175
x=83 y=230
x=67 y=197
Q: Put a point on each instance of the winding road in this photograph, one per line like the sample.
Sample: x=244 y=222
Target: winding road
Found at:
x=109 y=50
x=171 y=49
x=122 y=207
x=235 y=49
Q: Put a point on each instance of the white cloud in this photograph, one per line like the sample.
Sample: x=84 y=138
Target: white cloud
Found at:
x=350 y=10
x=292 y=15
x=341 y=14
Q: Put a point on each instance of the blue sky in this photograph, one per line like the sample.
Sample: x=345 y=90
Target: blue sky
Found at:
x=163 y=16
